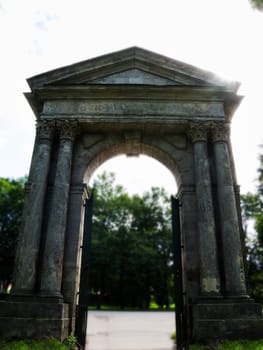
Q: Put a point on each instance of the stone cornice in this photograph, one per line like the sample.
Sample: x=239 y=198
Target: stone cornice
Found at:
x=134 y=92
x=90 y=80
x=133 y=57
x=213 y=93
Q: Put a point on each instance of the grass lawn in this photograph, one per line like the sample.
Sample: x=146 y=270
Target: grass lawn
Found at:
x=231 y=345
x=51 y=344
x=152 y=307
x=44 y=344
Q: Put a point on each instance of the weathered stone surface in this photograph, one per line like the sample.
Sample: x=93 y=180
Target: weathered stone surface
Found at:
x=232 y=251
x=232 y=320
x=178 y=109
x=209 y=272
x=133 y=76
x=30 y=235
x=35 y=319
x=51 y=278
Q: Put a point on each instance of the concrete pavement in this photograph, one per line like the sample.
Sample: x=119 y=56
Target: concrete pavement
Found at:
x=119 y=330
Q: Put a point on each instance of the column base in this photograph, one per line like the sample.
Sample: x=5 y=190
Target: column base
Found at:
x=33 y=318
x=23 y=292
x=50 y=294
x=227 y=319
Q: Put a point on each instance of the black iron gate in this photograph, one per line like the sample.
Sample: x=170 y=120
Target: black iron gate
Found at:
x=179 y=295
x=82 y=307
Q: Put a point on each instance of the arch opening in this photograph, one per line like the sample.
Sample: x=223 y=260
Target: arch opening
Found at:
x=103 y=152
x=137 y=174
x=140 y=175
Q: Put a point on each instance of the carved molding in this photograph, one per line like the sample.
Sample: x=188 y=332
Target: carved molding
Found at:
x=184 y=190
x=220 y=131
x=133 y=143
x=67 y=129
x=198 y=132
x=45 y=129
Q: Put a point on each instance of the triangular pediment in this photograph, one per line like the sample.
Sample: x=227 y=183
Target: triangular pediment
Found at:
x=132 y=66
x=133 y=76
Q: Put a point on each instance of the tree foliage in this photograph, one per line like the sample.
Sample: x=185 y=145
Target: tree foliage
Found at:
x=257 y=4
x=252 y=210
x=131 y=259
x=11 y=205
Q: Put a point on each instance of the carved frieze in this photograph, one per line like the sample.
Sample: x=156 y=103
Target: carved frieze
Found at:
x=136 y=108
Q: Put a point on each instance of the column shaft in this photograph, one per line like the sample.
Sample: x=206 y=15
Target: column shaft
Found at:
x=51 y=276
x=232 y=252
x=30 y=234
x=74 y=236
x=209 y=272
x=190 y=261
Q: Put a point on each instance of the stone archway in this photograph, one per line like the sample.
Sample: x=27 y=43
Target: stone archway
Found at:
x=133 y=102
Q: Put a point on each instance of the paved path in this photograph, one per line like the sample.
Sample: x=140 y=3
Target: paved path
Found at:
x=116 y=330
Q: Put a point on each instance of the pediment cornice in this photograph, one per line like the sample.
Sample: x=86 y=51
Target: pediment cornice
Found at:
x=145 y=75
x=130 y=66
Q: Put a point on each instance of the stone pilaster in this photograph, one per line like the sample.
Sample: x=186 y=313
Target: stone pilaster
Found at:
x=209 y=272
x=232 y=252
x=30 y=234
x=51 y=277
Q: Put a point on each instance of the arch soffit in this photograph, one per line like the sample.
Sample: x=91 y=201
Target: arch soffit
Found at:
x=91 y=151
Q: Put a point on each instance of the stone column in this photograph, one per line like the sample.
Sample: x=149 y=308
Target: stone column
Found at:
x=74 y=236
x=30 y=234
x=209 y=272
x=190 y=261
x=231 y=244
x=51 y=277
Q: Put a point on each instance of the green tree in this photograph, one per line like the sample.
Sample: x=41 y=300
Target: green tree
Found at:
x=109 y=239
x=252 y=211
x=131 y=246
x=11 y=206
x=152 y=226
x=257 y=4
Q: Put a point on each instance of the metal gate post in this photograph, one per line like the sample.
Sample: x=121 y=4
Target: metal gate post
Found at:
x=82 y=307
x=179 y=295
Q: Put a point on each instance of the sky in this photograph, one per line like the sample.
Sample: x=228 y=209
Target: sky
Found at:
x=223 y=36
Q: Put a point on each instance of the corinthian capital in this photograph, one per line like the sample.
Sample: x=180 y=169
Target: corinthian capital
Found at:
x=67 y=129
x=220 y=131
x=45 y=129
x=198 y=132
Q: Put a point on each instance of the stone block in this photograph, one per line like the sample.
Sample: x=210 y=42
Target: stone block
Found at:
x=32 y=319
x=227 y=320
